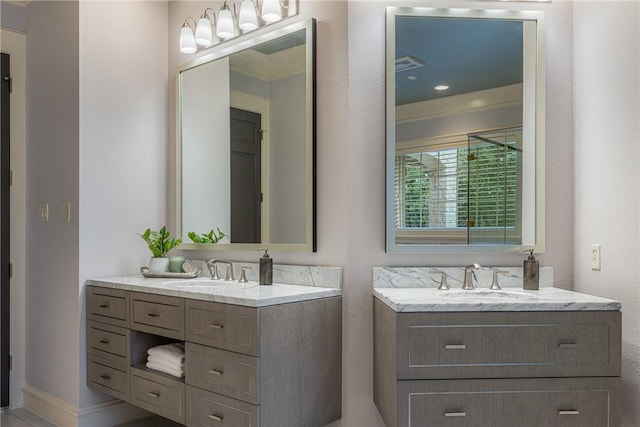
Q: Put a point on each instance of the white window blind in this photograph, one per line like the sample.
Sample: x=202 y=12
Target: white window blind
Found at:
x=459 y=187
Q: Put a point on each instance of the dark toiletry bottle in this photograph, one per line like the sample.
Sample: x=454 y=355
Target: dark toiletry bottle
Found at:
x=531 y=273
x=266 y=269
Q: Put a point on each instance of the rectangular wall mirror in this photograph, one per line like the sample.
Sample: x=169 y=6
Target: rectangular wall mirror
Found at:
x=464 y=130
x=246 y=143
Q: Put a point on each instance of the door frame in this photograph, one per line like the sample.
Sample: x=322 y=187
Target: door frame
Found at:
x=14 y=44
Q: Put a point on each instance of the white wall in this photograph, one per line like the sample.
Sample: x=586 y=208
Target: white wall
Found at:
x=96 y=119
x=123 y=141
x=52 y=300
x=607 y=116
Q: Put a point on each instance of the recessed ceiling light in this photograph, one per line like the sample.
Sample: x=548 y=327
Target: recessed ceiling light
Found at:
x=441 y=87
x=412 y=78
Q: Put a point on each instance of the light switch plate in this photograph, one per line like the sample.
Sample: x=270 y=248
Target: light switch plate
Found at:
x=43 y=212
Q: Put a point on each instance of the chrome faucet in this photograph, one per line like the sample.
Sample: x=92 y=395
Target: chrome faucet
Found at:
x=212 y=265
x=469 y=276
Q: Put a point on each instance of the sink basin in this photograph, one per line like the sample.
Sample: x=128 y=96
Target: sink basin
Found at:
x=479 y=294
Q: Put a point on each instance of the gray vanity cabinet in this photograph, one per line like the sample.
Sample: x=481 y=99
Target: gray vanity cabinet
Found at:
x=497 y=368
x=276 y=365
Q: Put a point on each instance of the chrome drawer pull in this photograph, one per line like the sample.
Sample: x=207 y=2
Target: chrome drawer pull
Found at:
x=104 y=305
x=568 y=412
x=105 y=377
x=154 y=395
x=215 y=372
x=153 y=315
x=215 y=417
x=455 y=414
x=216 y=326
x=455 y=346
x=105 y=342
x=567 y=345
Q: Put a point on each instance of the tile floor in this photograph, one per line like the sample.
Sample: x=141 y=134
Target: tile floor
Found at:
x=22 y=418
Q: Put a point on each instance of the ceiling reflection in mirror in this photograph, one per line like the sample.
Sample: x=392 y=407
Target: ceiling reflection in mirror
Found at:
x=246 y=145
x=464 y=130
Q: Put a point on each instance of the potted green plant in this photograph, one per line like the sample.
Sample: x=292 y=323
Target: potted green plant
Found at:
x=159 y=242
x=212 y=236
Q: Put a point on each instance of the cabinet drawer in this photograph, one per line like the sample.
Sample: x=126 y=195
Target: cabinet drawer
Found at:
x=110 y=342
x=157 y=314
x=158 y=393
x=498 y=345
x=108 y=306
x=223 y=372
x=225 y=326
x=212 y=410
x=108 y=377
x=579 y=402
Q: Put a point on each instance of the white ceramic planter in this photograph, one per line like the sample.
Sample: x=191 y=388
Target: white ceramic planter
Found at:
x=159 y=265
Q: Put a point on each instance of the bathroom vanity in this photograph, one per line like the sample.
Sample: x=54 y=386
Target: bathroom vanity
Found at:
x=254 y=355
x=496 y=358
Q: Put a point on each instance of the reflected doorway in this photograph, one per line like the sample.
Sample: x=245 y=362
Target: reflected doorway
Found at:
x=246 y=193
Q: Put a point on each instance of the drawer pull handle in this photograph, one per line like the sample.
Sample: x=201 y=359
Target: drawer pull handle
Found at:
x=455 y=346
x=153 y=315
x=455 y=414
x=105 y=341
x=154 y=395
x=216 y=372
x=216 y=326
x=567 y=345
x=568 y=412
x=106 y=377
x=104 y=306
x=215 y=417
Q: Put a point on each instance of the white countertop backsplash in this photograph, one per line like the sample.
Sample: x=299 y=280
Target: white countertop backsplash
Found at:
x=290 y=284
x=406 y=289
x=423 y=277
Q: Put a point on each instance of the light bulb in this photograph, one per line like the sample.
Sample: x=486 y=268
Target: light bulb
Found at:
x=225 y=28
x=203 y=32
x=187 y=41
x=248 y=17
x=271 y=11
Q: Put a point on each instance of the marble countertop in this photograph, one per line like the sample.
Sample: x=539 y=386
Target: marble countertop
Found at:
x=406 y=300
x=249 y=294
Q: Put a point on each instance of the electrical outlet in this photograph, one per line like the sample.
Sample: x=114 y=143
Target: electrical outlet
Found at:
x=595 y=257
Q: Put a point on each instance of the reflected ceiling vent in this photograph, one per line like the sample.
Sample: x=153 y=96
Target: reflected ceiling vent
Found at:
x=408 y=62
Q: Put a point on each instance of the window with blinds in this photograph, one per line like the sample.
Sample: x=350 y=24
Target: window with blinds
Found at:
x=472 y=185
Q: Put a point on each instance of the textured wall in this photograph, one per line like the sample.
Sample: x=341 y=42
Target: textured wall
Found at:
x=607 y=116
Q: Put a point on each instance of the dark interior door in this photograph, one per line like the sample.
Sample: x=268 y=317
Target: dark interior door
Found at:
x=246 y=196
x=5 y=164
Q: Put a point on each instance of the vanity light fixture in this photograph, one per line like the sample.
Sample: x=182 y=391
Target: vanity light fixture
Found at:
x=187 y=39
x=226 y=27
x=248 y=16
x=204 y=29
x=272 y=9
x=211 y=30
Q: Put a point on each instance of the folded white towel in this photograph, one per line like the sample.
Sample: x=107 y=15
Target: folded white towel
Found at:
x=179 y=373
x=171 y=352
x=169 y=363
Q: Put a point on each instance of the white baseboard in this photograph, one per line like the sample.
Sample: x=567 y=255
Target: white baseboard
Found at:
x=63 y=414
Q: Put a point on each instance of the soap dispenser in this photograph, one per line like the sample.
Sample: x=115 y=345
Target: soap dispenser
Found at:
x=266 y=269
x=531 y=273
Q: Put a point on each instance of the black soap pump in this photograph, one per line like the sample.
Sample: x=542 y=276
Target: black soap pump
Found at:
x=531 y=273
x=266 y=269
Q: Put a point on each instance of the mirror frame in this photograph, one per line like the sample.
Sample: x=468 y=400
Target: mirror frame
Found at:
x=235 y=46
x=537 y=106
